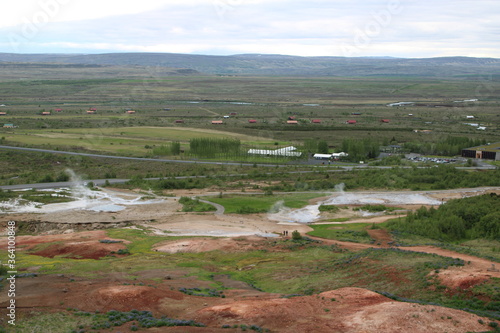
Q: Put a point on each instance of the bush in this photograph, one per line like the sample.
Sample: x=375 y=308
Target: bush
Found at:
x=296 y=236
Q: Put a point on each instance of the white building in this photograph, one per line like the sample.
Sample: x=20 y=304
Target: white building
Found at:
x=287 y=152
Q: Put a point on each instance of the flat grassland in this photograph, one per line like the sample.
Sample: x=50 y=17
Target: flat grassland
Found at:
x=161 y=99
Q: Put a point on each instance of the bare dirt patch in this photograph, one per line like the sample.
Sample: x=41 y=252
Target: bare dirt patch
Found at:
x=195 y=245
x=79 y=245
x=343 y=310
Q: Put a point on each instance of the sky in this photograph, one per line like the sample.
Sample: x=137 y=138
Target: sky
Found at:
x=349 y=28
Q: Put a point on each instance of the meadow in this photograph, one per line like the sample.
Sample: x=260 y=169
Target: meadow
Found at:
x=161 y=100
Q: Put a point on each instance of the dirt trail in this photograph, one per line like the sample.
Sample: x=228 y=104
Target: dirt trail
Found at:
x=475 y=271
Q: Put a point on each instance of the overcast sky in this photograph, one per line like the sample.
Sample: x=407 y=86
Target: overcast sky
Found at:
x=398 y=28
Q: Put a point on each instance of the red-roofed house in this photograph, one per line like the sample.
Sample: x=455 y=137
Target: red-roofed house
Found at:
x=384 y=120
x=179 y=121
x=130 y=112
x=57 y=110
x=351 y=122
x=316 y=121
x=252 y=121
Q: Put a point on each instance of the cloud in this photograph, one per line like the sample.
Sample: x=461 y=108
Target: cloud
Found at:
x=316 y=27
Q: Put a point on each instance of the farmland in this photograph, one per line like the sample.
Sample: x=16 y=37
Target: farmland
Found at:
x=236 y=247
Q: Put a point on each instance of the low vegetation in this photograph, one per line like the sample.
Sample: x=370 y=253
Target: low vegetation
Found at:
x=457 y=220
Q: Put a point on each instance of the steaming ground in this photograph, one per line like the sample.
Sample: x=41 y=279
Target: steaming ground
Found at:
x=164 y=215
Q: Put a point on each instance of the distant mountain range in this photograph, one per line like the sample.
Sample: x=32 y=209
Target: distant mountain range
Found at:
x=271 y=64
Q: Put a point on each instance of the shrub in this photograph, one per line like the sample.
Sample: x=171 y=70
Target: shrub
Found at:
x=296 y=236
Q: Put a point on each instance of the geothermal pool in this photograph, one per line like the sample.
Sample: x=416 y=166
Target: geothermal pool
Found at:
x=311 y=213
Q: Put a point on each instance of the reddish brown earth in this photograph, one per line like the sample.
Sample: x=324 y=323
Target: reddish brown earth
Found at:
x=81 y=245
x=343 y=310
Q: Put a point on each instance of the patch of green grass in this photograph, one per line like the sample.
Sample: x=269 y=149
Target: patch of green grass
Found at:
x=352 y=232
x=195 y=205
x=58 y=322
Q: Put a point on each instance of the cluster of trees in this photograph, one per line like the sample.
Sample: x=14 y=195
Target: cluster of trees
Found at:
x=313 y=146
x=451 y=146
x=458 y=219
x=215 y=147
x=360 y=150
x=173 y=148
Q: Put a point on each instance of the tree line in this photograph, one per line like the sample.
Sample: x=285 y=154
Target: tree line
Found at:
x=458 y=219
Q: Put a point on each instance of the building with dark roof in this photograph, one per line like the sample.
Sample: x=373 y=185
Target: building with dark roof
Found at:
x=487 y=152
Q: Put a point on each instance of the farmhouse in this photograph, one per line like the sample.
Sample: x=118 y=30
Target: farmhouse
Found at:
x=58 y=110
x=252 y=121
x=233 y=114
x=91 y=111
x=351 y=122
x=9 y=126
x=45 y=113
x=316 y=121
x=487 y=152
x=384 y=120
x=469 y=117
x=292 y=122
x=291 y=118
x=130 y=112
x=217 y=122
x=179 y=121
x=287 y=152
x=3 y=113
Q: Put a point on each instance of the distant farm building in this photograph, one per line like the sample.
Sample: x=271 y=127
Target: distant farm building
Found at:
x=57 y=110
x=252 y=121
x=130 y=112
x=45 y=113
x=292 y=122
x=469 y=117
x=356 y=113
x=3 y=113
x=286 y=152
x=384 y=120
x=351 y=122
x=487 y=152
x=179 y=121
x=91 y=111
x=217 y=122
x=8 y=126
x=316 y=121
x=226 y=117
x=233 y=114
x=291 y=118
